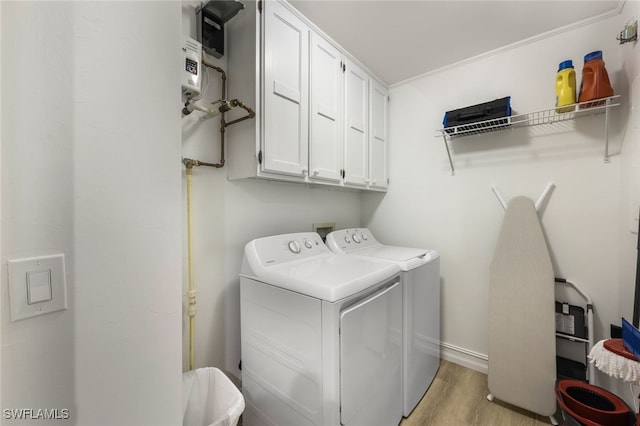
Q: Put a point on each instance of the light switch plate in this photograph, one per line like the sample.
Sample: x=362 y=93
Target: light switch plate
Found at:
x=37 y=286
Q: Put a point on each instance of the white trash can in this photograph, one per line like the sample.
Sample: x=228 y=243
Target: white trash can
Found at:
x=209 y=398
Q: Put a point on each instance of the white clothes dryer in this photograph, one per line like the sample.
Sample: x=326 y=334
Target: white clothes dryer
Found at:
x=321 y=335
x=420 y=280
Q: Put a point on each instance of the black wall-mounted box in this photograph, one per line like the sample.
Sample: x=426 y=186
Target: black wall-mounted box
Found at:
x=210 y=20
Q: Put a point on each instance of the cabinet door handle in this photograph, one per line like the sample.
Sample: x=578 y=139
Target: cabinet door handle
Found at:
x=316 y=172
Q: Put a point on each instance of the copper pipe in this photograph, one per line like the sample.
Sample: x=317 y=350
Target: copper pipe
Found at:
x=223 y=95
x=240 y=104
x=223 y=76
x=223 y=123
x=190 y=163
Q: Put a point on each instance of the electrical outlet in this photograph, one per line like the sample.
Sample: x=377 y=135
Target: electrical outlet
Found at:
x=324 y=229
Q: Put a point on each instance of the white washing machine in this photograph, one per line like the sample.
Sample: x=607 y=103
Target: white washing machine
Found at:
x=321 y=335
x=420 y=280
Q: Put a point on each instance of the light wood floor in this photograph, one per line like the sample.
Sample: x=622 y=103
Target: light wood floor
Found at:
x=458 y=397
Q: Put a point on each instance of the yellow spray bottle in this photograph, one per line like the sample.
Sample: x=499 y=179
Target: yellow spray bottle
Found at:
x=566 y=87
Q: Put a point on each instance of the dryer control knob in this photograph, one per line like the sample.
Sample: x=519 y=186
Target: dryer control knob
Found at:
x=347 y=239
x=355 y=238
x=364 y=237
x=308 y=244
x=294 y=247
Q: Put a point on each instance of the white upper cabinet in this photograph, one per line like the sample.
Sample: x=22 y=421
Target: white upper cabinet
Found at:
x=326 y=133
x=286 y=92
x=357 y=126
x=320 y=118
x=378 y=116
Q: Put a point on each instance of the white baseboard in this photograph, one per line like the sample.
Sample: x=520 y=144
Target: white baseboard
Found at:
x=461 y=356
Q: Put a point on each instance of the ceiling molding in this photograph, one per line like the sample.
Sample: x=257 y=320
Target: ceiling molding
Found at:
x=612 y=13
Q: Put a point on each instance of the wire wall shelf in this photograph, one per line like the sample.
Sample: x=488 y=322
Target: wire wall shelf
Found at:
x=544 y=117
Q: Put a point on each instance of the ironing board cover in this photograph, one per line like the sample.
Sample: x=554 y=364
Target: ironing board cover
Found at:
x=522 y=346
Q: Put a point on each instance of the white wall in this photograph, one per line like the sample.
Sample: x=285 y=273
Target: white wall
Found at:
x=426 y=206
x=630 y=164
x=87 y=172
x=227 y=215
x=629 y=182
x=37 y=194
x=1 y=245
x=460 y=216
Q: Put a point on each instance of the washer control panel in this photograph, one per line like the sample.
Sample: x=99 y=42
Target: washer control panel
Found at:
x=282 y=248
x=304 y=244
x=351 y=239
x=296 y=246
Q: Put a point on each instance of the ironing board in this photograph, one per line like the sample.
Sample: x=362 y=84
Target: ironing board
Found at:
x=522 y=346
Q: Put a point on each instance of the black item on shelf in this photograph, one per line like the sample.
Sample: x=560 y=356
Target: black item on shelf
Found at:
x=570 y=320
x=569 y=369
x=498 y=111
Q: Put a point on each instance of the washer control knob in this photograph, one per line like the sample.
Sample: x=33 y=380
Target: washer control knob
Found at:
x=294 y=247
x=355 y=238
x=364 y=237
x=308 y=244
x=347 y=239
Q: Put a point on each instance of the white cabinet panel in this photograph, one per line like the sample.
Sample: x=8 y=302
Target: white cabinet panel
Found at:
x=379 y=101
x=286 y=60
x=357 y=127
x=326 y=121
x=320 y=118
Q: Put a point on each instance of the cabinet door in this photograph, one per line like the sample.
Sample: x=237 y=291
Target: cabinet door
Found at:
x=379 y=101
x=357 y=127
x=326 y=121
x=286 y=86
